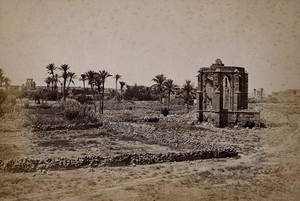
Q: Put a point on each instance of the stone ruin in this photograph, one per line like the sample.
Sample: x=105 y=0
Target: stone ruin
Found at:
x=259 y=94
x=223 y=96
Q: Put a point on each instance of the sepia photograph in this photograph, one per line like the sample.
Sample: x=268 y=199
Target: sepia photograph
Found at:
x=149 y=100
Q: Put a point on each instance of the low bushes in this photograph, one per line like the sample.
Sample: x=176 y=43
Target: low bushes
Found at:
x=84 y=99
x=70 y=112
x=39 y=120
x=76 y=112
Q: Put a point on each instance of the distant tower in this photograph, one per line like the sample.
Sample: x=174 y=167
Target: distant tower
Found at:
x=254 y=90
x=30 y=84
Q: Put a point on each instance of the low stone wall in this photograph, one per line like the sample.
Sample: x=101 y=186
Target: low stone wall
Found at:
x=32 y=165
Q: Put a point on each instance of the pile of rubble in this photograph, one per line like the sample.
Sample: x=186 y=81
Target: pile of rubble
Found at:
x=32 y=165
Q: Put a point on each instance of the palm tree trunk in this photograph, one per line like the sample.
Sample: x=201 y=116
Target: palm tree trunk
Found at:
x=169 y=96
x=160 y=99
x=64 y=91
x=102 y=104
x=187 y=104
x=93 y=92
x=100 y=101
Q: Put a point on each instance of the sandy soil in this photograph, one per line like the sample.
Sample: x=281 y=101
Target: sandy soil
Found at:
x=269 y=171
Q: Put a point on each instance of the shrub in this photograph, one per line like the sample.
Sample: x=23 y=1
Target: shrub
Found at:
x=52 y=95
x=84 y=99
x=37 y=120
x=3 y=96
x=78 y=113
x=26 y=104
x=8 y=105
x=36 y=96
x=139 y=93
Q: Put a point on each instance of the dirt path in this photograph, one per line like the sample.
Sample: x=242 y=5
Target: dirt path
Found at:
x=282 y=147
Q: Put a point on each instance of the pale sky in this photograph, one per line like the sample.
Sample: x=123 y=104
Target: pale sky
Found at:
x=140 y=39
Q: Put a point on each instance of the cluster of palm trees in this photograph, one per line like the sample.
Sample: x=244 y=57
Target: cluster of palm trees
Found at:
x=52 y=80
x=96 y=81
x=167 y=87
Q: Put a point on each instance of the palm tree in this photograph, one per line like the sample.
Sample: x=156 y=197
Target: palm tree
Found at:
x=117 y=77
x=71 y=76
x=98 y=83
x=159 y=79
x=83 y=78
x=55 y=82
x=48 y=82
x=64 y=68
x=103 y=75
x=188 y=90
x=122 y=86
x=6 y=81
x=170 y=88
x=91 y=76
x=50 y=68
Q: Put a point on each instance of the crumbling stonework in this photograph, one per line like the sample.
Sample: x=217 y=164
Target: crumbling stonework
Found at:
x=223 y=96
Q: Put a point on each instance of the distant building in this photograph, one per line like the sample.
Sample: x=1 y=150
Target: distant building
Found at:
x=30 y=84
x=223 y=96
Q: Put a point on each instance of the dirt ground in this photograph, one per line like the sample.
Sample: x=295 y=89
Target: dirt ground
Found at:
x=267 y=170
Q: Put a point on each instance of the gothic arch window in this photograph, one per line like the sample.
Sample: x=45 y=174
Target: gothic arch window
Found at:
x=226 y=93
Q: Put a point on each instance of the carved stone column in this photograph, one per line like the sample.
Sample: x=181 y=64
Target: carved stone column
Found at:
x=217 y=92
x=237 y=93
x=200 y=95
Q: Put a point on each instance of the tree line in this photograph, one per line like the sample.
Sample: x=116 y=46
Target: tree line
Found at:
x=162 y=87
x=94 y=88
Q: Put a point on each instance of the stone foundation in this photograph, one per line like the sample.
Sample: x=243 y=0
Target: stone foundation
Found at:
x=229 y=118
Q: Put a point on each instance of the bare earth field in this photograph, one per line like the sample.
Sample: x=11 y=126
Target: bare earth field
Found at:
x=268 y=166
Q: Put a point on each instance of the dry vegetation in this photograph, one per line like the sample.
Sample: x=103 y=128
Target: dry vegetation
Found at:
x=267 y=167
